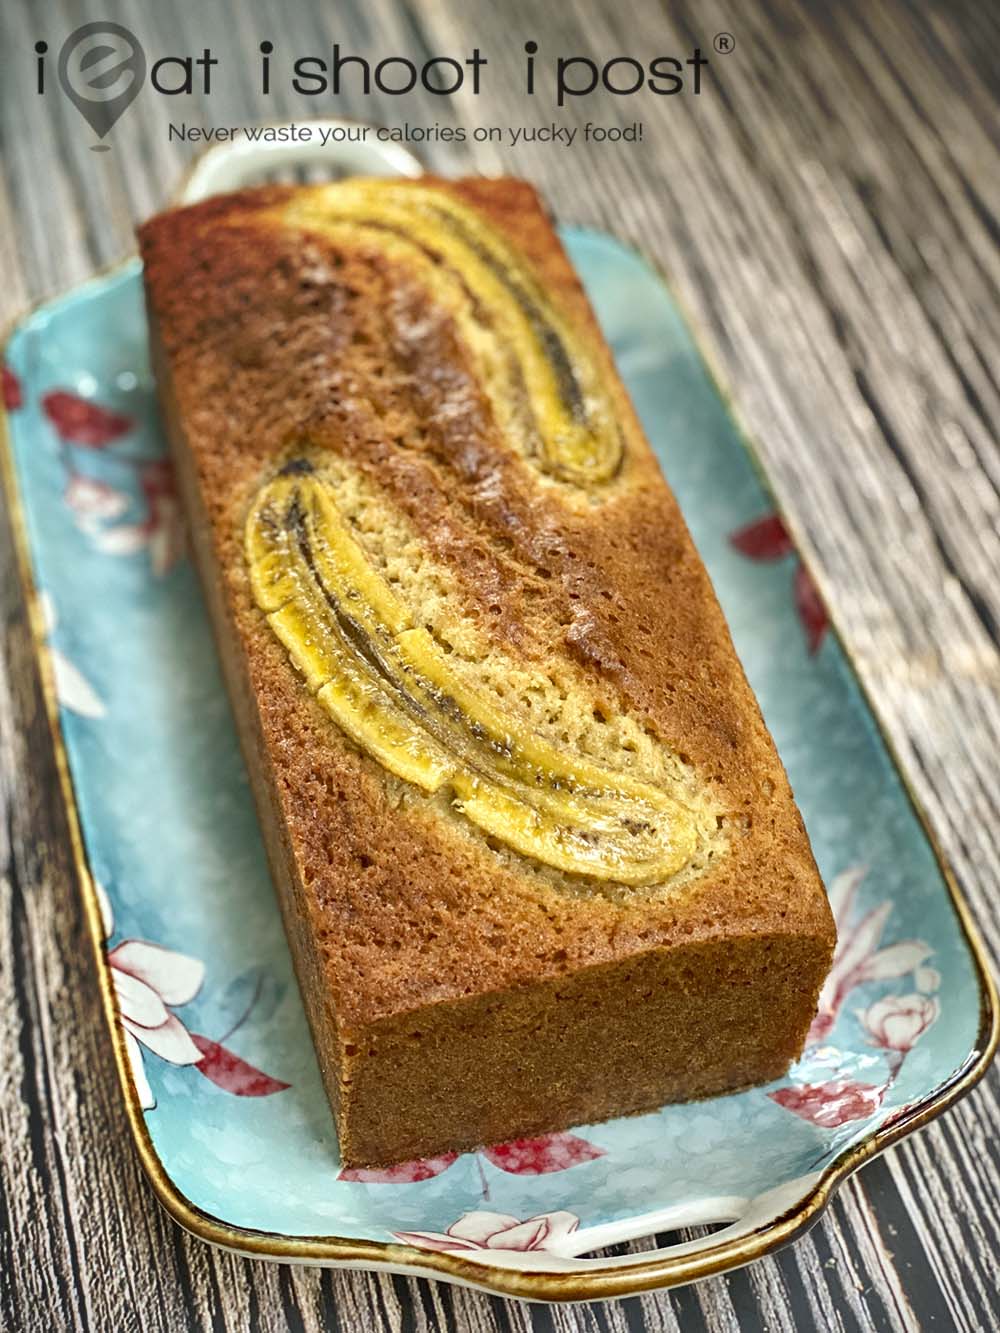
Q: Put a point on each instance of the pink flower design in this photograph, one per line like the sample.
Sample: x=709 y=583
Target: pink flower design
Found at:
x=10 y=390
x=858 y=958
x=928 y=979
x=148 y=980
x=496 y=1231
x=832 y=1104
x=403 y=1173
x=519 y=1157
x=79 y=421
x=894 y=1023
x=93 y=502
x=766 y=540
x=162 y=529
x=537 y=1157
x=810 y=609
x=95 y=505
x=230 y=1072
x=164 y=522
x=897 y=1022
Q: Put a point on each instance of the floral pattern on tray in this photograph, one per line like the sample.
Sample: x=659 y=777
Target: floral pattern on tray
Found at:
x=150 y=983
x=894 y=1023
x=496 y=1231
x=195 y=945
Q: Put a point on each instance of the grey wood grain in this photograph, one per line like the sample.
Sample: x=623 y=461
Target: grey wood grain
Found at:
x=827 y=210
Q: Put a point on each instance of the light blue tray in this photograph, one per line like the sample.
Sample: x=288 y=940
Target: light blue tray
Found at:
x=241 y=1144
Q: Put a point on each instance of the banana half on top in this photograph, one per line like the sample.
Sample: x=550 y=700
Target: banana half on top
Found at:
x=543 y=386
x=386 y=680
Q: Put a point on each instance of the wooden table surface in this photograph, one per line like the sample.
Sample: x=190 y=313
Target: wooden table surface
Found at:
x=827 y=208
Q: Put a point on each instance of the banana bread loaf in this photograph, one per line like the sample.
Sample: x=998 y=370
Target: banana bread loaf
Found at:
x=537 y=857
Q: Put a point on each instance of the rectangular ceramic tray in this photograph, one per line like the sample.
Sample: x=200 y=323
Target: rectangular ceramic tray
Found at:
x=216 y=1063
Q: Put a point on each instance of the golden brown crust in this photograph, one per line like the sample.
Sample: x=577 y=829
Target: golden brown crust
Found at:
x=269 y=336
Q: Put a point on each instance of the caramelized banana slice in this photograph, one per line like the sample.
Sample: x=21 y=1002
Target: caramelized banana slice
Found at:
x=543 y=385
x=389 y=684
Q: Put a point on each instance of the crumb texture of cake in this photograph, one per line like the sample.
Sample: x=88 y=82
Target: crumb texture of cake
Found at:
x=537 y=857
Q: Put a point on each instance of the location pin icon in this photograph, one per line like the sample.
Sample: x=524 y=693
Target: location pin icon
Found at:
x=101 y=68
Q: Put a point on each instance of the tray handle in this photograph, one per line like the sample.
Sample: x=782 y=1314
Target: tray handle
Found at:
x=228 y=166
x=779 y=1214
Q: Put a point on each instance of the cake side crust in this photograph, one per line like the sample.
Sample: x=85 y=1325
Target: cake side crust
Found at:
x=621 y=1038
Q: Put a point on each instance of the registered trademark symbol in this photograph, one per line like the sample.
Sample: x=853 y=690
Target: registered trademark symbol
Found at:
x=724 y=43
